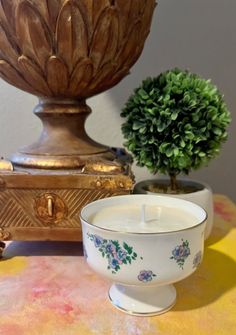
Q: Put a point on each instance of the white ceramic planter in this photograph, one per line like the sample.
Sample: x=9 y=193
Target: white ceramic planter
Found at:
x=143 y=266
x=202 y=197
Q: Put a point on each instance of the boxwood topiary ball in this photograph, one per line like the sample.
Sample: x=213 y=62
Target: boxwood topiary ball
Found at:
x=175 y=122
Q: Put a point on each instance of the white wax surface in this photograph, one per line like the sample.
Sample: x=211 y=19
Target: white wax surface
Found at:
x=131 y=219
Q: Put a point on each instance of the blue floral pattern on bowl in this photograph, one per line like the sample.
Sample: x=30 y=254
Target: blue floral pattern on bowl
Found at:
x=146 y=276
x=85 y=252
x=197 y=259
x=116 y=254
x=180 y=253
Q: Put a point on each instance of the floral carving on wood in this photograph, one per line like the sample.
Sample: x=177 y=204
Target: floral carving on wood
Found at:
x=71 y=48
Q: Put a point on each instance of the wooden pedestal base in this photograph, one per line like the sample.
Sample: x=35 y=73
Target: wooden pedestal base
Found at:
x=46 y=205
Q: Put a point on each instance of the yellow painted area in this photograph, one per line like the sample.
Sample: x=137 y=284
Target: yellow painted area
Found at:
x=13 y=266
x=62 y=327
x=206 y=301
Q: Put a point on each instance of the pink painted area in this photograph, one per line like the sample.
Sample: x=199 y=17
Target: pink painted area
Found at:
x=11 y=329
x=61 y=291
x=224 y=211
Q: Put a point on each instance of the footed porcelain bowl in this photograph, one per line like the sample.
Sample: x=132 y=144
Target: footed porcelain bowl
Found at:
x=141 y=261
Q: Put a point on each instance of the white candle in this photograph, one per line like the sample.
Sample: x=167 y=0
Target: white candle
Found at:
x=143 y=218
x=143 y=214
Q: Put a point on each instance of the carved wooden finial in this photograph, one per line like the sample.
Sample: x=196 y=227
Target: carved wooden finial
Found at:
x=73 y=48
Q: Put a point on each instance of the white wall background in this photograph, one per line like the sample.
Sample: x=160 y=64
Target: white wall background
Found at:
x=198 y=35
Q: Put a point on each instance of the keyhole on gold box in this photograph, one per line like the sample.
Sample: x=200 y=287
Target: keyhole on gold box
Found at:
x=50 y=208
x=50 y=205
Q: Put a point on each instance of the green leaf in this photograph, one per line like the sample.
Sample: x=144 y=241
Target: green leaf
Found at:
x=169 y=152
x=142 y=130
x=176 y=151
x=161 y=127
x=137 y=125
x=116 y=244
x=217 y=131
x=189 y=135
x=143 y=94
x=182 y=143
x=195 y=117
x=201 y=154
x=174 y=115
x=127 y=248
x=128 y=258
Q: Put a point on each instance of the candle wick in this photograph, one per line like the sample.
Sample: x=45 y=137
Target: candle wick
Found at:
x=143 y=214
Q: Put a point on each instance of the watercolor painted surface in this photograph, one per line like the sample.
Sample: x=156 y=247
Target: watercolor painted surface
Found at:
x=48 y=289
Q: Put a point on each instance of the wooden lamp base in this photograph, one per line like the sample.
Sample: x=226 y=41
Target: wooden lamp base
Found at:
x=64 y=52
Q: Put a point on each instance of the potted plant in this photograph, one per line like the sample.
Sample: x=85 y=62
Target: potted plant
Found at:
x=176 y=123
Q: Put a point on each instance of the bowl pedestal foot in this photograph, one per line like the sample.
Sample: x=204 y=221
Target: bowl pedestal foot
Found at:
x=143 y=301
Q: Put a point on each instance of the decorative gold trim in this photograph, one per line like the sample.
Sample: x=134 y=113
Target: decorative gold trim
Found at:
x=5 y=165
x=67 y=180
x=4 y=234
x=140 y=314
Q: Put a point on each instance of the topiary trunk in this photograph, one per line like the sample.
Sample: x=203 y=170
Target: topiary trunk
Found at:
x=173 y=182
